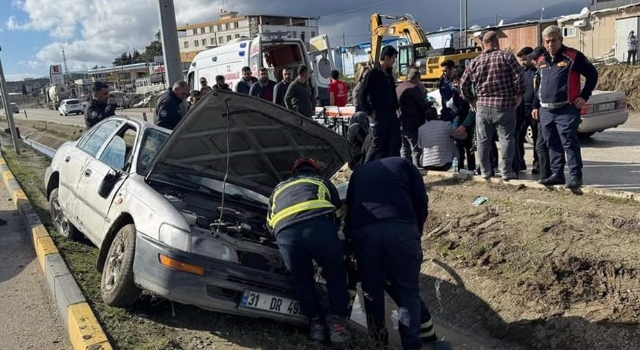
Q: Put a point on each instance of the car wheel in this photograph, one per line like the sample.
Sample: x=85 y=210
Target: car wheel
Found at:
x=62 y=225
x=529 y=137
x=585 y=135
x=117 y=286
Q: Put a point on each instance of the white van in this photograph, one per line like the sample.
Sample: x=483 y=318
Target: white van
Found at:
x=228 y=60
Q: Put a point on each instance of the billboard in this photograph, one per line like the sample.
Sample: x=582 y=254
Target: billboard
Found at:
x=56 y=77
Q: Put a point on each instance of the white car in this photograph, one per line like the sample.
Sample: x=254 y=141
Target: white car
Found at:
x=604 y=110
x=156 y=205
x=70 y=106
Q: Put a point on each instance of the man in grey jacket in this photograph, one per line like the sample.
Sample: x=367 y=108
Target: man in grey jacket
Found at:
x=298 y=96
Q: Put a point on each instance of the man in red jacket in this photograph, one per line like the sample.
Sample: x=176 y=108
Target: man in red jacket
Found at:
x=338 y=90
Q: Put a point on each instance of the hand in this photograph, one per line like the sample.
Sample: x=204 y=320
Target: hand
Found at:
x=580 y=102
x=473 y=106
x=461 y=132
x=535 y=114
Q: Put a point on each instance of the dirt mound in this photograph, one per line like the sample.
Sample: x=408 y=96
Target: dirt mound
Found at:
x=622 y=78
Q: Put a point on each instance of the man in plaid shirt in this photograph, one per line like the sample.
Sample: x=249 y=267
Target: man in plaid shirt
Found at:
x=499 y=86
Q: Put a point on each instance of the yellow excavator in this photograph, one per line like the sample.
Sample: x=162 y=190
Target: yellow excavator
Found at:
x=419 y=51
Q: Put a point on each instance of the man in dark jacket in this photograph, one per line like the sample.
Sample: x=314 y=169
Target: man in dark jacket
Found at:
x=263 y=88
x=97 y=109
x=385 y=213
x=412 y=115
x=168 y=108
x=523 y=112
x=281 y=87
x=302 y=216
x=244 y=85
x=299 y=96
x=377 y=97
x=445 y=84
x=220 y=84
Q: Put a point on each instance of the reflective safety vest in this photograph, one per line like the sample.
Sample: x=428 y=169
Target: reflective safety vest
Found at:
x=297 y=199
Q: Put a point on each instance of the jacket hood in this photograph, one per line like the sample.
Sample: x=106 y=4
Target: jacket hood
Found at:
x=261 y=140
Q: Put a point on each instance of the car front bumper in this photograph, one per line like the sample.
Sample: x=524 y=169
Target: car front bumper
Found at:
x=220 y=289
x=602 y=121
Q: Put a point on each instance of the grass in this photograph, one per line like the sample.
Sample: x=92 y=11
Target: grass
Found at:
x=151 y=323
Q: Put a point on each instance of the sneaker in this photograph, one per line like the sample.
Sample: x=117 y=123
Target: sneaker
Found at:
x=317 y=330
x=338 y=332
x=552 y=180
x=574 y=183
x=510 y=176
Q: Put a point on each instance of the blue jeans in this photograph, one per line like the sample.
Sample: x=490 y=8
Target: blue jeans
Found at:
x=560 y=130
x=316 y=239
x=390 y=251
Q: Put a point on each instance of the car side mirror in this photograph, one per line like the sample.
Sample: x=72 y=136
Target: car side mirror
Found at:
x=108 y=183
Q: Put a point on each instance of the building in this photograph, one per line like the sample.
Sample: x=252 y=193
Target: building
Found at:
x=194 y=38
x=605 y=4
x=124 y=77
x=448 y=37
x=602 y=34
x=514 y=36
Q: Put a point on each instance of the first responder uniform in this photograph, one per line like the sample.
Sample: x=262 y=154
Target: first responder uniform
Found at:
x=302 y=215
x=96 y=111
x=168 y=110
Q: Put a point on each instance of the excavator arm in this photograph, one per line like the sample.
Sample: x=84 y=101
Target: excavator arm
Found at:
x=405 y=27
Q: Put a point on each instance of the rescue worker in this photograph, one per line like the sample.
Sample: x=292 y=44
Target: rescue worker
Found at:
x=204 y=88
x=98 y=108
x=413 y=108
x=559 y=101
x=168 y=108
x=263 y=88
x=377 y=97
x=385 y=213
x=299 y=96
x=302 y=216
x=244 y=85
x=338 y=90
x=220 y=84
x=281 y=87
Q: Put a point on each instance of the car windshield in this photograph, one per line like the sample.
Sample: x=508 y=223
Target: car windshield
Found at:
x=12 y=104
x=72 y=102
x=152 y=141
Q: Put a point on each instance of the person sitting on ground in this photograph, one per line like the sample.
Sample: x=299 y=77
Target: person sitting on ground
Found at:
x=356 y=135
x=436 y=138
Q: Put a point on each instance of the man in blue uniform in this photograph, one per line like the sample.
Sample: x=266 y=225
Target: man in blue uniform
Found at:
x=98 y=108
x=559 y=100
x=385 y=213
x=302 y=215
x=169 y=106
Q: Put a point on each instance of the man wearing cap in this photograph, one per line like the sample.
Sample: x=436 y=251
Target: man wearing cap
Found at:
x=302 y=216
x=558 y=102
x=497 y=78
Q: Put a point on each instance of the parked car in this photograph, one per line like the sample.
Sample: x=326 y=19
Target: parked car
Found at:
x=152 y=201
x=14 y=107
x=120 y=98
x=70 y=106
x=604 y=110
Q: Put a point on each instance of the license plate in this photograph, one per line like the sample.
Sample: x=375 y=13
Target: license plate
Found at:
x=266 y=302
x=606 y=106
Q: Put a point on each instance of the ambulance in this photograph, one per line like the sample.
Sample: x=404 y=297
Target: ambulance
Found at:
x=275 y=54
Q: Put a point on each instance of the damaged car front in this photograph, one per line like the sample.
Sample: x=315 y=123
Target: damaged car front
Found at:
x=215 y=173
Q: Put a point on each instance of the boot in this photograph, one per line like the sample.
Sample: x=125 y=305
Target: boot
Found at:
x=338 y=332
x=317 y=329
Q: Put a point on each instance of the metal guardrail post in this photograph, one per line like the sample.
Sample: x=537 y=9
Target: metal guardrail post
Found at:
x=25 y=114
x=144 y=116
x=8 y=112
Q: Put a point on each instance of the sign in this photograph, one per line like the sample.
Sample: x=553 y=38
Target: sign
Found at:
x=270 y=303
x=56 y=77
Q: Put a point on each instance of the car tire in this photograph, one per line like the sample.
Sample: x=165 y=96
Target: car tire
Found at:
x=585 y=135
x=117 y=286
x=60 y=221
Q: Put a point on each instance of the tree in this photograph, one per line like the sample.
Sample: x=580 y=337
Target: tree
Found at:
x=24 y=90
x=150 y=51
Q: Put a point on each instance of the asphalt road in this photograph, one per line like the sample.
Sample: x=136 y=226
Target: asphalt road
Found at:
x=29 y=319
x=611 y=158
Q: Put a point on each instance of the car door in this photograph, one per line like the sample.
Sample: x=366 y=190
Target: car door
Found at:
x=114 y=158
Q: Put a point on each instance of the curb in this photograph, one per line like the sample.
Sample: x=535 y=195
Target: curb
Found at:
x=534 y=185
x=85 y=332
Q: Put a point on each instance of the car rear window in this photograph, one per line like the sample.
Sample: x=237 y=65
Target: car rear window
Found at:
x=73 y=102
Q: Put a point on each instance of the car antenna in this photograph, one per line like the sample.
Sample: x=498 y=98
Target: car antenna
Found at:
x=226 y=173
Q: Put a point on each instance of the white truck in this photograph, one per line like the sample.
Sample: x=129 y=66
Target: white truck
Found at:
x=55 y=94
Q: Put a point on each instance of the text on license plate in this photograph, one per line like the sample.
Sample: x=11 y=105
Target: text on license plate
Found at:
x=606 y=106
x=266 y=302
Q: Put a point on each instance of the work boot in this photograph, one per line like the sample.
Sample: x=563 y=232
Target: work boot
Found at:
x=574 y=183
x=552 y=180
x=317 y=329
x=338 y=332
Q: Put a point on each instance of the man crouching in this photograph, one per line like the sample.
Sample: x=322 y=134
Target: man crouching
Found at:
x=302 y=215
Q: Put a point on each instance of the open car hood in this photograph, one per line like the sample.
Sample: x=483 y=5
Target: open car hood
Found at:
x=264 y=141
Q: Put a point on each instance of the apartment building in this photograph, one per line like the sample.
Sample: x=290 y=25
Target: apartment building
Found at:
x=197 y=37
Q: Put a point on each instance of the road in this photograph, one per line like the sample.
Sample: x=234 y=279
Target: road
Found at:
x=611 y=159
x=29 y=319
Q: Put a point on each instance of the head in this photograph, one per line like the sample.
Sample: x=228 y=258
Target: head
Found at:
x=632 y=33
x=100 y=92
x=360 y=118
x=306 y=165
x=303 y=74
x=195 y=96
x=552 y=39
x=246 y=73
x=388 y=57
x=456 y=74
x=220 y=80
x=181 y=89
x=203 y=81
x=335 y=75
x=287 y=75
x=447 y=67
x=525 y=57
x=413 y=75
x=490 y=41
x=263 y=75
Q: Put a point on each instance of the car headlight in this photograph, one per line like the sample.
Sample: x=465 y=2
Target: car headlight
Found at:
x=213 y=248
x=174 y=237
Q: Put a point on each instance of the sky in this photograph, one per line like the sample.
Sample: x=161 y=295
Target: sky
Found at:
x=94 y=32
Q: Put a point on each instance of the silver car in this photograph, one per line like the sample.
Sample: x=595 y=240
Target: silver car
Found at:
x=182 y=214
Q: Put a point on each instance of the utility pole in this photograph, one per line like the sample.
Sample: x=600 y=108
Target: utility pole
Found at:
x=7 y=109
x=169 y=38
x=64 y=60
x=344 y=39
